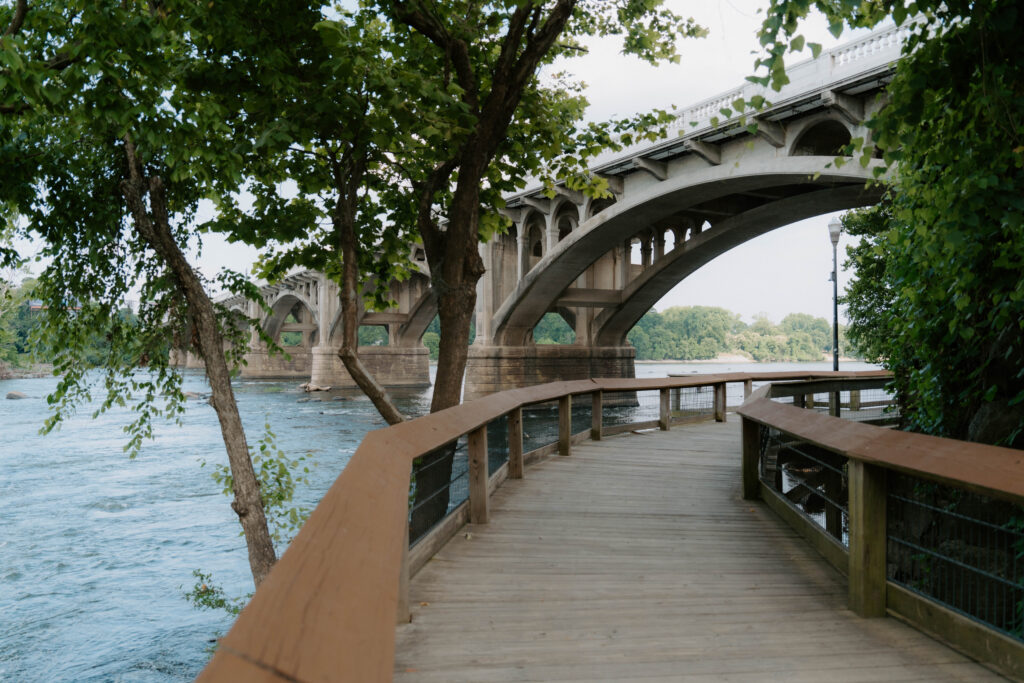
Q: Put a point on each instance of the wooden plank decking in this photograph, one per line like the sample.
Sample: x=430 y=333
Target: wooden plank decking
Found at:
x=636 y=559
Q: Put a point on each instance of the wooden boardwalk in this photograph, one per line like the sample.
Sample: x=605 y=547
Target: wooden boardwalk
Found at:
x=636 y=559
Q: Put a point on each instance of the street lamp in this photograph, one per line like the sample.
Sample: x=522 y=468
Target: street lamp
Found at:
x=834 y=229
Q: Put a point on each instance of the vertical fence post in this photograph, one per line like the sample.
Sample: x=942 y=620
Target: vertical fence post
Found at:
x=748 y=388
x=751 y=458
x=403 y=616
x=515 y=444
x=855 y=400
x=479 y=505
x=867 y=539
x=833 y=403
x=664 y=414
x=799 y=400
x=565 y=425
x=720 y=402
x=596 y=415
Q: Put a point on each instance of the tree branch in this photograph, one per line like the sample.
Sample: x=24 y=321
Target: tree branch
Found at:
x=154 y=227
x=20 y=10
x=13 y=108
x=455 y=49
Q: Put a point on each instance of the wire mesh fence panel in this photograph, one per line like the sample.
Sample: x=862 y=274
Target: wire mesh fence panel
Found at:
x=445 y=472
x=540 y=426
x=876 y=406
x=692 y=403
x=497 y=444
x=629 y=407
x=735 y=393
x=582 y=415
x=811 y=478
x=961 y=549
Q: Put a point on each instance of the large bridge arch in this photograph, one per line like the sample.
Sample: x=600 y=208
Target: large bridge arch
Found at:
x=613 y=324
x=745 y=199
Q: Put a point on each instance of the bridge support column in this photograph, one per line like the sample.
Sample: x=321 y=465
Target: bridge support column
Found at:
x=497 y=368
x=261 y=364
x=392 y=366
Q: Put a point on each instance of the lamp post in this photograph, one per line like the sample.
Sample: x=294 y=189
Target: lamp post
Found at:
x=834 y=229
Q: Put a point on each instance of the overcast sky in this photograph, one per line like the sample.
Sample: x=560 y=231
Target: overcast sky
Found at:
x=784 y=271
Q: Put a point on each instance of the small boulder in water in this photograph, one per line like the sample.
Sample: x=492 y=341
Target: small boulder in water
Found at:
x=192 y=395
x=15 y=395
x=309 y=386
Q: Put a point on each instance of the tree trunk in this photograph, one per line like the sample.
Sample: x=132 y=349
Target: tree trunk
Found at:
x=349 y=352
x=154 y=227
x=459 y=271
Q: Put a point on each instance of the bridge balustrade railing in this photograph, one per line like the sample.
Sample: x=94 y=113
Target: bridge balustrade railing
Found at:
x=331 y=602
x=928 y=529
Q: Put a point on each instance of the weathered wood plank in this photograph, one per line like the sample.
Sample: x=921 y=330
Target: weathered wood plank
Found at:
x=637 y=558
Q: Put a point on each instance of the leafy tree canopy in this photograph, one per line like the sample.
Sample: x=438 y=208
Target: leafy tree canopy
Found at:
x=939 y=297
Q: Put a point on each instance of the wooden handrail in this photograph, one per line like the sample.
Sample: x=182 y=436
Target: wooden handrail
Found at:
x=872 y=452
x=327 y=610
x=988 y=470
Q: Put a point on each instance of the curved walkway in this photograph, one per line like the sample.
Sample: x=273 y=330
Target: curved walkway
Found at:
x=636 y=559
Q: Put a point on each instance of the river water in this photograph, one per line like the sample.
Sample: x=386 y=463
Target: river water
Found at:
x=97 y=550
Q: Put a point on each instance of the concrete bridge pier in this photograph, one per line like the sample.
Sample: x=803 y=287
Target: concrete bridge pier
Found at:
x=260 y=363
x=496 y=368
x=392 y=366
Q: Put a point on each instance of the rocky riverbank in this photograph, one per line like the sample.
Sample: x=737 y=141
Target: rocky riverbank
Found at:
x=25 y=372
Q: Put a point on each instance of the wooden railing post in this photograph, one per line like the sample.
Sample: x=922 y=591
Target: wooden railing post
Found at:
x=798 y=400
x=751 y=458
x=855 y=400
x=596 y=415
x=515 y=444
x=720 y=402
x=479 y=505
x=664 y=414
x=867 y=539
x=565 y=425
x=403 y=615
x=748 y=388
x=833 y=403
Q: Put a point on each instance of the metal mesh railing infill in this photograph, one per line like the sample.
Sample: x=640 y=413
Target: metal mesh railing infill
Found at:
x=875 y=405
x=961 y=549
x=440 y=483
x=629 y=407
x=810 y=478
x=687 y=404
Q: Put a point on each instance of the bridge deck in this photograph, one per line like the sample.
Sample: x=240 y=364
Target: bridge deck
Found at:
x=636 y=559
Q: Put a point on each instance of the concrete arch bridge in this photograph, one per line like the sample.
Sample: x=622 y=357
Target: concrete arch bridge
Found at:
x=601 y=264
x=304 y=318
x=677 y=204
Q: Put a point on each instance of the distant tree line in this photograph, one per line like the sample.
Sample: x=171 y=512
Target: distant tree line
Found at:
x=19 y=314
x=689 y=333
x=704 y=332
